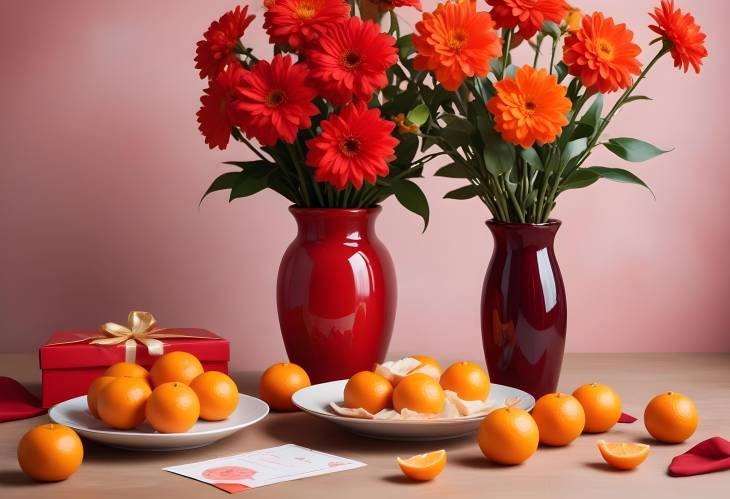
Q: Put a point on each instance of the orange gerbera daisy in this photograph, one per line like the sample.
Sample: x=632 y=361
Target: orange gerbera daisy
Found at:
x=528 y=15
x=296 y=23
x=530 y=108
x=602 y=54
x=688 y=42
x=455 y=42
x=354 y=146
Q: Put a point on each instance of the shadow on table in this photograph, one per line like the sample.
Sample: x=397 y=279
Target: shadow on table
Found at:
x=15 y=477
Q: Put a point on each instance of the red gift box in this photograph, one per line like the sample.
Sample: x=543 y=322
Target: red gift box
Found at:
x=69 y=362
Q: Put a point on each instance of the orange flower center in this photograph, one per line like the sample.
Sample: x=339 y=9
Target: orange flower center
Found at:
x=457 y=39
x=530 y=107
x=605 y=49
x=275 y=98
x=350 y=146
x=305 y=9
x=351 y=59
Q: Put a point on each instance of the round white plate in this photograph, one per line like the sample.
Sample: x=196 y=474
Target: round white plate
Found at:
x=75 y=414
x=316 y=400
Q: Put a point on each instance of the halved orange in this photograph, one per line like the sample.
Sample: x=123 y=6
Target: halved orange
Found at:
x=623 y=455
x=423 y=467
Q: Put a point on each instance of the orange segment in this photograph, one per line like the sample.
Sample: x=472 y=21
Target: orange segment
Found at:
x=423 y=467
x=624 y=455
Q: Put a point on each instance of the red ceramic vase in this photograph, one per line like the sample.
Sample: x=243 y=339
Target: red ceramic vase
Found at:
x=524 y=311
x=336 y=293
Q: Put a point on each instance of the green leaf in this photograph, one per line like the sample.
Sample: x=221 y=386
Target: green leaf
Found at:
x=405 y=46
x=499 y=155
x=253 y=179
x=582 y=130
x=457 y=131
x=532 y=158
x=636 y=97
x=572 y=150
x=511 y=71
x=452 y=170
x=222 y=182
x=412 y=198
x=418 y=115
x=466 y=192
x=561 y=70
x=551 y=29
x=406 y=150
x=592 y=117
x=633 y=150
x=586 y=176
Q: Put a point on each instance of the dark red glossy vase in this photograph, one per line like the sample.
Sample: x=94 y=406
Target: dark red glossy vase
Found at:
x=336 y=293
x=524 y=311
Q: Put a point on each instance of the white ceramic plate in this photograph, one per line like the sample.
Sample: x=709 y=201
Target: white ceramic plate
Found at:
x=75 y=414
x=316 y=399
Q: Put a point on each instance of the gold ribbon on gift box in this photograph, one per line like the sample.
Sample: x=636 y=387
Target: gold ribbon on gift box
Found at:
x=141 y=328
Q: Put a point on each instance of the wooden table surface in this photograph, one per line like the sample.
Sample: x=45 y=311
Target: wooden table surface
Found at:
x=574 y=471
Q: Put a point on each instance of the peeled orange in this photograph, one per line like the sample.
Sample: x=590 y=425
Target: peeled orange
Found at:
x=467 y=379
x=368 y=391
x=420 y=393
x=671 y=417
x=623 y=456
x=508 y=436
x=423 y=467
x=559 y=417
x=50 y=452
x=601 y=404
x=278 y=384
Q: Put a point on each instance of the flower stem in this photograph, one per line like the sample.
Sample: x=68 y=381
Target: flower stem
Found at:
x=506 y=49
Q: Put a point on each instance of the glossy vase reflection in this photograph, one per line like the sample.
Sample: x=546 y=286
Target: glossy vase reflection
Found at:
x=336 y=293
x=524 y=309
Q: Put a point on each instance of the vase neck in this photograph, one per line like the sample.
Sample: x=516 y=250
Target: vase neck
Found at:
x=522 y=236
x=316 y=224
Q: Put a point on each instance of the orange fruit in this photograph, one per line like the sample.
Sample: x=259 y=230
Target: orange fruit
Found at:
x=172 y=408
x=671 y=417
x=623 y=456
x=559 y=417
x=467 y=379
x=50 y=452
x=508 y=436
x=121 y=403
x=175 y=366
x=425 y=360
x=278 y=384
x=419 y=392
x=368 y=390
x=127 y=369
x=218 y=395
x=423 y=467
x=93 y=394
x=601 y=404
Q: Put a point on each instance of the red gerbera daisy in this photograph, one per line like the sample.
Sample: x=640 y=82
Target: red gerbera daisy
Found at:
x=354 y=146
x=351 y=59
x=528 y=15
x=274 y=101
x=602 y=54
x=688 y=42
x=215 y=51
x=214 y=116
x=296 y=23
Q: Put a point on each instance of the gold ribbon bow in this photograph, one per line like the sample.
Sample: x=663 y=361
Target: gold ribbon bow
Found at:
x=141 y=327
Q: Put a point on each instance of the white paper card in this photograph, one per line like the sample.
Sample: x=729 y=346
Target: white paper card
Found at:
x=264 y=467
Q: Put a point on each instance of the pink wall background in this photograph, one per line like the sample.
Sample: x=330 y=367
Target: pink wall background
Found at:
x=103 y=166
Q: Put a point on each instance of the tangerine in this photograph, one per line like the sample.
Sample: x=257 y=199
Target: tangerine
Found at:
x=601 y=404
x=50 y=452
x=369 y=391
x=425 y=361
x=423 y=467
x=121 y=403
x=218 y=395
x=175 y=366
x=419 y=392
x=671 y=417
x=172 y=408
x=278 y=384
x=559 y=417
x=93 y=394
x=467 y=379
x=127 y=369
x=508 y=436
